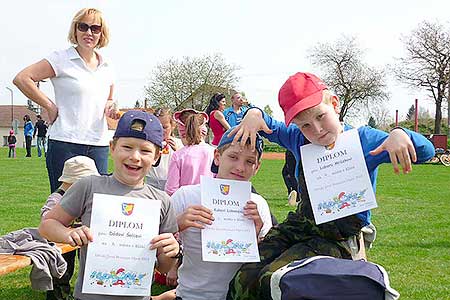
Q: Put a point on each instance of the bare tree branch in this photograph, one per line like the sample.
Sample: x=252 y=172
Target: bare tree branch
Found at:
x=356 y=84
x=427 y=63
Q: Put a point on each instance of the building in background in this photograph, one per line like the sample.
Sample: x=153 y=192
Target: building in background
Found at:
x=17 y=124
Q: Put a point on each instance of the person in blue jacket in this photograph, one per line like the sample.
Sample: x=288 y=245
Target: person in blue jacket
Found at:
x=314 y=112
x=234 y=113
x=28 y=130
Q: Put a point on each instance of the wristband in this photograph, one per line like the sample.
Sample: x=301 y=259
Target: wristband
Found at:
x=180 y=252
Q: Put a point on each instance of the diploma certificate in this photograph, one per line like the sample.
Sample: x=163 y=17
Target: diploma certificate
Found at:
x=119 y=261
x=337 y=178
x=231 y=237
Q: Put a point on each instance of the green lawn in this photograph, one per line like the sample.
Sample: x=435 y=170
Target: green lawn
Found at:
x=413 y=241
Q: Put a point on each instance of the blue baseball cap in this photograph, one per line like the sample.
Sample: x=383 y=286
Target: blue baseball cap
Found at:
x=141 y=125
x=259 y=146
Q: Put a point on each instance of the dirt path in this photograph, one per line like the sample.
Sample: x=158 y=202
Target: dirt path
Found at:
x=273 y=155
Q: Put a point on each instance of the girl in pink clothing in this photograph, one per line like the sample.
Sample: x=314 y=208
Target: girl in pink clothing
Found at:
x=194 y=159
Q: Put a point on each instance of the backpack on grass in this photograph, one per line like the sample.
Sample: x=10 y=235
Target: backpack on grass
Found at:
x=329 y=278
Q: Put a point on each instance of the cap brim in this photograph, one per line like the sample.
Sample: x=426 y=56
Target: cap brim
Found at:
x=305 y=103
x=66 y=179
x=177 y=114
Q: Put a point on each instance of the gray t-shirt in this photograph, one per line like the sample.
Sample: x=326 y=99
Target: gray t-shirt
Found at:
x=77 y=201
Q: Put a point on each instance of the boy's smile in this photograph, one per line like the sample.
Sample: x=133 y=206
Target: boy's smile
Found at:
x=237 y=163
x=320 y=124
x=133 y=158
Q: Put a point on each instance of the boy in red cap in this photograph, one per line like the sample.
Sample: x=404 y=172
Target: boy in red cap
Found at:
x=314 y=112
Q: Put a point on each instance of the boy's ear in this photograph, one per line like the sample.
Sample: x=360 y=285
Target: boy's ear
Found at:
x=258 y=164
x=335 y=103
x=217 y=157
x=111 y=146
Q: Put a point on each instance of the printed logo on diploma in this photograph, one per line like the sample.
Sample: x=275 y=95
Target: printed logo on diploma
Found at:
x=224 y=189
x=337 y=178
x=127 y=208
x=119 y=261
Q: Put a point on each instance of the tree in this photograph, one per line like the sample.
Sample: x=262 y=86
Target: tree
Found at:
x=426 y=63
x=355 y=83
x=268 y=110
x=137 y=104
x=372 y=123
x=423 y=113
x=190 y=82
x=410 y=115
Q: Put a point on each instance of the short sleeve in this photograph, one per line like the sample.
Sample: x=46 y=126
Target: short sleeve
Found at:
x=173 y=174
x=54 y=59
x=74 y=199
x=168 y=220
x=178 y=200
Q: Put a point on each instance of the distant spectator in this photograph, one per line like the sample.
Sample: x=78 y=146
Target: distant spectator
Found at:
x=41 y=129
x=217 y=121
x=290 y=181
x=28 y=132
x=12 y=144
x=235 y=112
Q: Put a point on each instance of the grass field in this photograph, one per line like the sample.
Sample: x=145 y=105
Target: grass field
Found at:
x=413 y=221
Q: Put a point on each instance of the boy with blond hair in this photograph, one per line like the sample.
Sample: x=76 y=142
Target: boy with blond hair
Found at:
x=314 y=112
x=134 y=149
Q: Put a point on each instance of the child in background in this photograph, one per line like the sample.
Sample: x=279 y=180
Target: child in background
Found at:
x=202 y=280
x=134 y=149
x=157 y=176
x=12 y=144
x=314 y=112
x=74 y=169
x=195 y=158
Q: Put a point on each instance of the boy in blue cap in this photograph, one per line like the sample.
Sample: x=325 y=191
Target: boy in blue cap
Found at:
x=314 y=112
x=134 y=149
x=202 y=280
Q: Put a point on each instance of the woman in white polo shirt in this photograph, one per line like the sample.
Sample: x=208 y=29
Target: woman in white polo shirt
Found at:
x=83 y=84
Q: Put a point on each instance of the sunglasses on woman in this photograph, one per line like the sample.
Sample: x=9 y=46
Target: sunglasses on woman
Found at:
x=83 y=27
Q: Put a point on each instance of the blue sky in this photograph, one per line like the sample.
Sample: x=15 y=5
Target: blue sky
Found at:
x=269 y=40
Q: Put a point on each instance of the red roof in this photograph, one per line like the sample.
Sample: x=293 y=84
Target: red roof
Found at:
x=19 y=112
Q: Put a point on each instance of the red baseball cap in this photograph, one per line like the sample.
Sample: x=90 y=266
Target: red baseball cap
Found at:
x=301 y=91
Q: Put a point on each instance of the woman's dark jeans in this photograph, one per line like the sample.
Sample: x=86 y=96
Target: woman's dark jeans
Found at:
x=58 y=152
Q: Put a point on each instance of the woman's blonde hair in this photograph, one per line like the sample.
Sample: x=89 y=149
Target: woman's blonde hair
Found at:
x=79 y=16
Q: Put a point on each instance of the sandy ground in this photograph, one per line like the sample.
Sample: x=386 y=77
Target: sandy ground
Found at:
x=273 y=155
